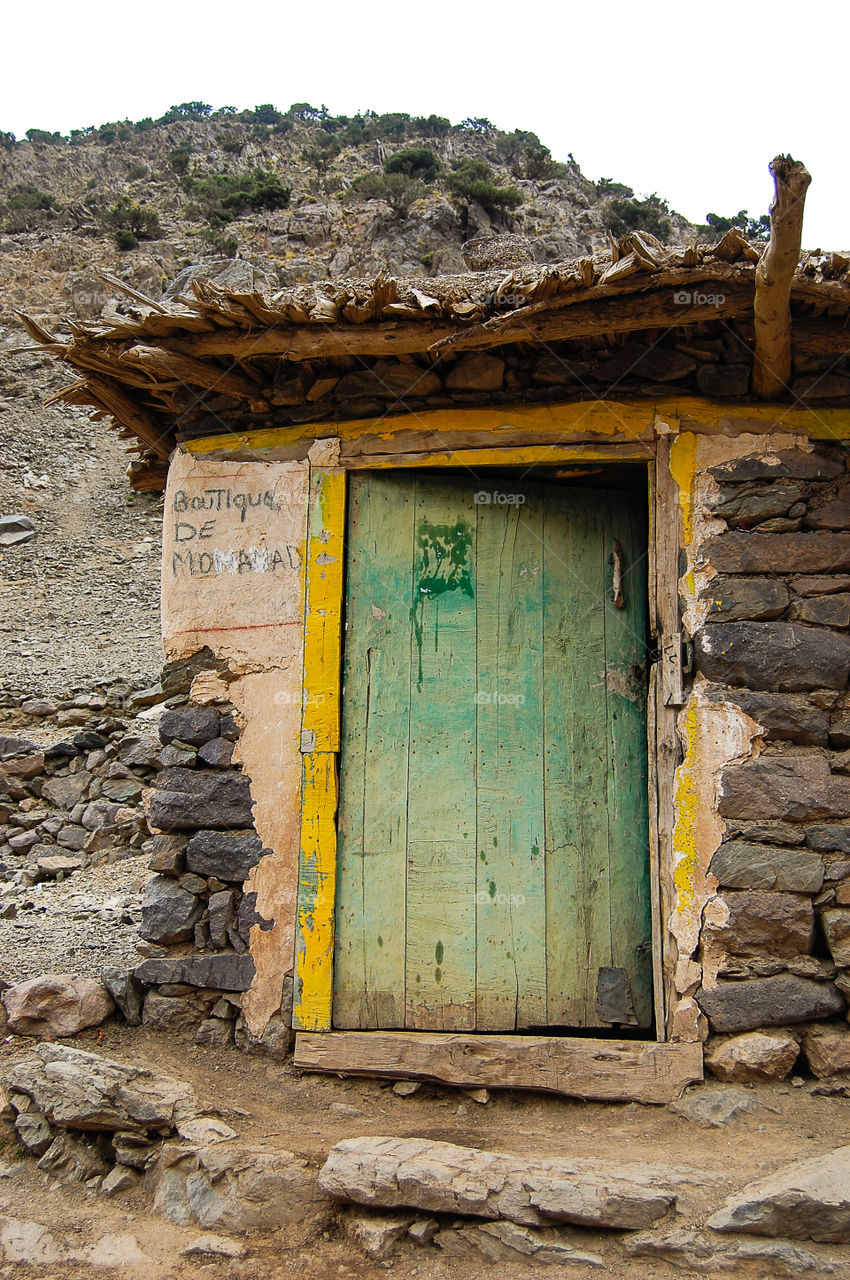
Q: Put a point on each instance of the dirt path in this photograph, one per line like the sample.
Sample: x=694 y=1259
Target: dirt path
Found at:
x=269 y=1105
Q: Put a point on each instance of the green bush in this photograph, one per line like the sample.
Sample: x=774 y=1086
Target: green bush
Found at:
x=753 y=228
x=137 y=171
x=7 y=140
x=415 y=162
x=29 y=198
x=474 y=180
x=221 y=197
x=42 y=135
x=124 y=240
x=127 y=215
x=652 y=214
x=265 y=114
x=178 y=160
x=186 y=111
x=396 y=189
x=321 y=157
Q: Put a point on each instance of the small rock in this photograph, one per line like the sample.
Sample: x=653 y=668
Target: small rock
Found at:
x=424 y=1230
x=60 y=864
x=15 y=530
x=57 y=1004
x=716 y=1257
x=406 y=1088
x=481 y=1096
x=827 y=1050
x=205 y=1130
x=127 y=993
x=377 y=1233
x=119 y=1179
x=715 y=1108
x=34 y=1133
x=756 y=1055
x=218 y=753
x=343 y=1109
x=192 y=725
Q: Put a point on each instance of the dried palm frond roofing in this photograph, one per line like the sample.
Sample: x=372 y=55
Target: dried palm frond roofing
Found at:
x=227 y=341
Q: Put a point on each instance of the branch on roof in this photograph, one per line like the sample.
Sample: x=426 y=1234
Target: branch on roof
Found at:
x=774 y=274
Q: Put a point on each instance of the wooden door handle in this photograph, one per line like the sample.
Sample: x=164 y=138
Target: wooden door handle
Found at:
x=617 y=597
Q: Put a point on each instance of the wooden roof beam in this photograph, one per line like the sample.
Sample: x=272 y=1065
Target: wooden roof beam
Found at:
x=774 y=274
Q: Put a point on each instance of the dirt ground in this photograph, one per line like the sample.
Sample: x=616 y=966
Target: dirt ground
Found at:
x=268 y=1104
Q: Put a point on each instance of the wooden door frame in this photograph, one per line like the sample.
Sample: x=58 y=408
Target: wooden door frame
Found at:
x=322 y=694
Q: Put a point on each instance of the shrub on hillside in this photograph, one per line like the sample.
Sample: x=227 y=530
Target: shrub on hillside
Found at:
x=627 y=214
x=414 y=162
x=396 y=189
x=474 y=180
x=221 y=197
x=140 y=220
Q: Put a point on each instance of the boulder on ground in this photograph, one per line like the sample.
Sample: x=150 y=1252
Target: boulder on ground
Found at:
x=78 y=1090
x=439 y=1177
x=809 y=1200
x=56 y=1004
x=232 y=1186
x=756 y=1055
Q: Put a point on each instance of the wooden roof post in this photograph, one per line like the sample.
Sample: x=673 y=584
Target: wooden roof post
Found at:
x=774 y=273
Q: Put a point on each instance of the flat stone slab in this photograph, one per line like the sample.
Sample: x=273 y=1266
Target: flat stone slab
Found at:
x=809 y=1200
x=717 y=1257
x=440 y=1177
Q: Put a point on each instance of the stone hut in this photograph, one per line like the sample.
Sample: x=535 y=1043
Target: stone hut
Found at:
x=506 y=627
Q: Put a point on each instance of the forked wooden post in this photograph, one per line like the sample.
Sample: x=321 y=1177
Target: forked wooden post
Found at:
x=774 y=274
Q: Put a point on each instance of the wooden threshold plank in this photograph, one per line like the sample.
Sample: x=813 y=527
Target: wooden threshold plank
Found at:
x=598 y=1070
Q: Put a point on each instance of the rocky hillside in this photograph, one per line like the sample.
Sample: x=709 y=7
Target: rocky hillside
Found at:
x=301 y=195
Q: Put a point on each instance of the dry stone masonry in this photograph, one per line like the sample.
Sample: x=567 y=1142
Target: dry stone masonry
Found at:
x=774 y=643
x=195 y=916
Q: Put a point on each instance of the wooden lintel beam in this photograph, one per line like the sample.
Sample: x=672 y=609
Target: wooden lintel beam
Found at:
x=774 y=276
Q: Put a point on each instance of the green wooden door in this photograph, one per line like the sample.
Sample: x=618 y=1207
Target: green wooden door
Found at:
x=493 y=848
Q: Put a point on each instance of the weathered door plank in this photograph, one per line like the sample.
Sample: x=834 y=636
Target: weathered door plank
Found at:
x=369 y=989
x=511 y=877
x=578 y=923
x=625 y=680
x=440 y=954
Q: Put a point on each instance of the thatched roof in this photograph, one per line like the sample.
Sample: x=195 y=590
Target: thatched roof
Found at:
x=218 y=357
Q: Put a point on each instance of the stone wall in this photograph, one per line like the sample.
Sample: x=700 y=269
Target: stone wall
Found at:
x=197 y=911
x=772 y=652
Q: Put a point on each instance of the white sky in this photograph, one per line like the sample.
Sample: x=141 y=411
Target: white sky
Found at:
x=690 y=101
